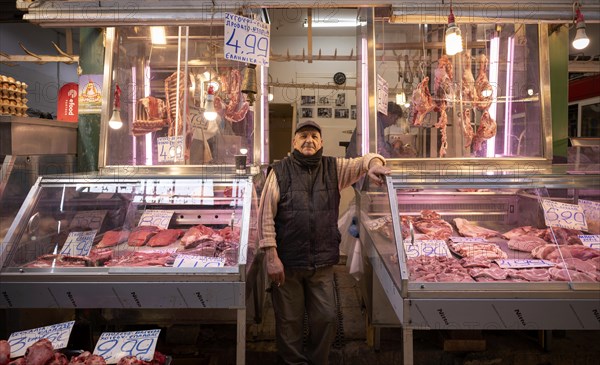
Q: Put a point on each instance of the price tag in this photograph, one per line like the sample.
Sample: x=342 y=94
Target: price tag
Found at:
x=78 y=243
x=426 y=248
x=170 y=149
x=564 y=215
x=88 y=220
x=523 y=263
x=591 y=240
x=112 y=346
x=458 y=239
x=246 y=40
x=591 y=210
x=157 y=218
x=58 y=334
x=198 y=261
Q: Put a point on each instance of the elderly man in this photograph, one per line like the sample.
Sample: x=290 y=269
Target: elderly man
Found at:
x=298 y=231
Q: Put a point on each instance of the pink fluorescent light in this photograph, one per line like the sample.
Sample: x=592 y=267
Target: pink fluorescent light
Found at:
x=364 y=142
x=494 y=58
x=510 y=58
x=148 y=136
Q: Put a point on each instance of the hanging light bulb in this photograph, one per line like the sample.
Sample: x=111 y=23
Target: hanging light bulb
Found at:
x=270 y=94
x=400 y=98
x=209 y=105
x=453 y=36
x=581 y=40
x=115 y=121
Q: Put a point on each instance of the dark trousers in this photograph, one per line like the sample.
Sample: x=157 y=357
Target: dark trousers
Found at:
x=310 y=290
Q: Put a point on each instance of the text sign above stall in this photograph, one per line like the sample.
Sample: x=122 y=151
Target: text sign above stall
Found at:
x=58 y=334
x=591 y=210
x=156 y=218
x=246 y=40
x=564 y=215
x=198 y=261
x=426 y=248
x=78 y=243
x=523 y=263
x=112 y=346
x=591 y=240
x=170 y=149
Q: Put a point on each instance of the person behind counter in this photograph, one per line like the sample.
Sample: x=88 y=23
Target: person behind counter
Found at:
x=298 y=231
x=384 y=148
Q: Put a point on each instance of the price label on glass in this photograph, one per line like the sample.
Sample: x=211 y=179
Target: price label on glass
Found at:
x=78 y=243
x=523 y=263
x=564 y=215
x=112 y=346
x=246 y=40
x=58 y=334
x=426 y=248
x=590 y=240
x=156 y=218
x=170 y=149
x=198 y=261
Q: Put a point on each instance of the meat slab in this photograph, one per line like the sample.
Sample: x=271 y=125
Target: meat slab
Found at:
x=113 y=238
x=140 y=235
x=4 y=352
x=165 y=237
x=470 y=229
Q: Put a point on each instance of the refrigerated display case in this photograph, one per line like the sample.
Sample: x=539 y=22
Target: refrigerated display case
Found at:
x=153 y=242
x=472 y=251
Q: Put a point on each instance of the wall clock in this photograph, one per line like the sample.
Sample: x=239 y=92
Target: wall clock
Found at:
x=339 y=78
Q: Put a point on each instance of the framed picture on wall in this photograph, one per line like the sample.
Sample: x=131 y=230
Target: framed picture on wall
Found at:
x=307 y=100
x=307 y=113
x=341 y=113
x=340 y=99
x=324 y=100
x=352 y=111
x=324 y=112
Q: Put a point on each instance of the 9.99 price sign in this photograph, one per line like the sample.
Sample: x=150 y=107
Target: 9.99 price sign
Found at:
x=113 y=346
x=564 y=215
x=246 y=40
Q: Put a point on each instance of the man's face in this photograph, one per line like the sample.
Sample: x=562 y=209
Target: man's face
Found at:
x=307 y=141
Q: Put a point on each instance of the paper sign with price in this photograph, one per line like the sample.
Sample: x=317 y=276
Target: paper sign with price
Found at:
x=246 y=40
x=426 y=248
x=157 y=218
x=198 y=261
x=88 y=220
x=112 y=346
x=58 y=334
x=590 y=240
x=170 y=149
x=591 y=209
x=523 y=263
x=563 y=215
x=78 y=243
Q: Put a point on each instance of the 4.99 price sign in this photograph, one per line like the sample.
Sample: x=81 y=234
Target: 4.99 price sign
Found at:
x=246 y=40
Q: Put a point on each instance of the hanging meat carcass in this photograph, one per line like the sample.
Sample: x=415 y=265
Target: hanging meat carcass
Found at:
x=483 y=88
x=469 y=94
x=177 y=116
x=234 y=106
x=486 y=130
x=151 y=116
x=421 y=103
x=443 y=90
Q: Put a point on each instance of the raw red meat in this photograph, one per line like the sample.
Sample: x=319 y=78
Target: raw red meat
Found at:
x=230 y=234
x=495 y=273
x=525 y=231
x=80 y=359
x=19 y=361
x=99 y=256
x=576 y=264
x=564 y=236
x=53 y=260
x=569 y=275
x=39 y=352
x=58 y=359
x=141 y=234
x=95 y=360
x=165 y=237
x=470 y=229
x=4 y=352
x=130 y=360
x=437 y=269
x=470 y=262
x=535 y=274
x=431 y=224
x=552 y=252
x=525 y=243
x=422 y=103
x=483 y=88
x=198 y=234
x=486 y=130
x=113 y=238
x=143 y=259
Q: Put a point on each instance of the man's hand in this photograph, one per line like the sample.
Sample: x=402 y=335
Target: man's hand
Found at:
x=274 y=266
x=377 y=172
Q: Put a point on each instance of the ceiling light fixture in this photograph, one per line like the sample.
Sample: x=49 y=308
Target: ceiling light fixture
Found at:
x=453 y=36
x=581 y=40
x=158 y=35
x=334 y=23
x=209 y=105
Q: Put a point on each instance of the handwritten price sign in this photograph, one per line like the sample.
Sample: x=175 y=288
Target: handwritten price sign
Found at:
x=523 y=263
x=564 y=215
x=58 y=334
x=78 y=243
x=170 y=149
x=426 y=248
x=591 y=240
x=112 y=346
x=246 y=40
x=198 y=261
x=458 y=239
x=88 y=220
x=157 y=218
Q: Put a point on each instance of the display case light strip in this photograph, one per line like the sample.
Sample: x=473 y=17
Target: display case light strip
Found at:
x=148 y=136
x=133 y=113
x=494 y=58
x=510 y=58
x=364 y=141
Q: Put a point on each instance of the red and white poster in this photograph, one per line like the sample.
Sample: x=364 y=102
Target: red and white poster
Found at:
x=68 y=103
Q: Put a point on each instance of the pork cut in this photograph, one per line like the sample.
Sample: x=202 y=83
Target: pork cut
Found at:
x=165 y=237
x=485 y=251
x=470 y=229
x=525 y=243
x=57 y=260
x=431 y=224
x=58 y=359
x=525 y=231
x=572 y=263
x=141 y=234
x=534 y=274
x=39 y=352
x=113 y=238
x=554 y=252
x=559 y=274
x=4 y=352
x=495 y=273
x=199 y=234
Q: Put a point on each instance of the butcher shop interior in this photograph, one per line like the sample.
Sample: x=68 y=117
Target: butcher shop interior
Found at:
x=135 y=144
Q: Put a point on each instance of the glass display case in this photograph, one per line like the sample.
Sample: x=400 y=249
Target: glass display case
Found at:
x=473 y=252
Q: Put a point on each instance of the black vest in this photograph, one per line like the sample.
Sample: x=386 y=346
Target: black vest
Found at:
x=306 y=221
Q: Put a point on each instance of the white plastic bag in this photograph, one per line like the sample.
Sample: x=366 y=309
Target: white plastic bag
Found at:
x=355 y=261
